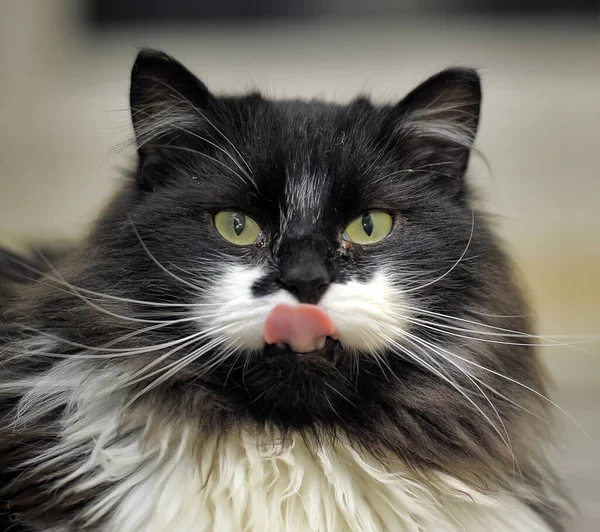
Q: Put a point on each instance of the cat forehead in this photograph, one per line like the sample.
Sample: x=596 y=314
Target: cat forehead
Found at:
x=303 y=151
x=302 y=160
x=315 y=125
x=314 y=187
x=306 y=193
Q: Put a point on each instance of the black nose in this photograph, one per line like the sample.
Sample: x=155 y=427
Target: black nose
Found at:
x=308 y=282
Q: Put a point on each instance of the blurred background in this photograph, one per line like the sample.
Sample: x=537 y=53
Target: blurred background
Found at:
x=64 y=72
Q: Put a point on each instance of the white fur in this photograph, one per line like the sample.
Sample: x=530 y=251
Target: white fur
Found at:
x=432 y=123
x=364 y=311
x=240 y=316
x=171 y=478
x=361 y=311
x=245 y=483
x=164 y=120
x=180 y=115
x=303 y=196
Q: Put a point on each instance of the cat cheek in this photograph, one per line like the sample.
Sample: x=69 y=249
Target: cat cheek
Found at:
x=366 y=313
x=366 y=336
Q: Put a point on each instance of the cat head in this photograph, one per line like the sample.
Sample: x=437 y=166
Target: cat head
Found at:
x=244 y=210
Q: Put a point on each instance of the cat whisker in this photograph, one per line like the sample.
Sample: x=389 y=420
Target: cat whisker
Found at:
x=380 y=360
x=200 y=113
x=530 y=389
x=212 y=331
x=498 y=374
x=443 y=329
x=412 y=169
x=90 y=303
x=143 y=374
x=507 y=316
x=195 y=288
x=107 y=349
x=232 y=366
x=220 y=357
x=440 y=350
x=247 y=177
x=98 y=294
x=427 y=346
x=168 y=120
x=200 y=154
x=178 y=366
x=339 y=394
x=506 y=333
x=446 y=378
x=326 y=397
x=111 y=352
x=455 y=264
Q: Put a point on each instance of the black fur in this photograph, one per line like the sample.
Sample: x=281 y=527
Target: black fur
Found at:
x=364 y=157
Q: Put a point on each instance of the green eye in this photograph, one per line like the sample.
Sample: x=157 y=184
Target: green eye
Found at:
x=369 y=228
x=237 y=228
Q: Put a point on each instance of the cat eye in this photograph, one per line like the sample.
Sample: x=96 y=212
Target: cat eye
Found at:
x=237 y=228
x=370 y=227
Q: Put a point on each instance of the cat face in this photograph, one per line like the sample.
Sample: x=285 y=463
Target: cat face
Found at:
x=241 y=205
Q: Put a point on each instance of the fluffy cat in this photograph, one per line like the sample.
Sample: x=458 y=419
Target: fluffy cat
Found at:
x=291 y=318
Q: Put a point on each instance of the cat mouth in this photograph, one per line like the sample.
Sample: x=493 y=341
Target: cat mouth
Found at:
x=303 y=328
x=326 y=352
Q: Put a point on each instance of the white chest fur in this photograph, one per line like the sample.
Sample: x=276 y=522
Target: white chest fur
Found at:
x=241 y=484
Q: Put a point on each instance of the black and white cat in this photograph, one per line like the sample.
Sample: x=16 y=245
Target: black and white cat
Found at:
x=293 y=319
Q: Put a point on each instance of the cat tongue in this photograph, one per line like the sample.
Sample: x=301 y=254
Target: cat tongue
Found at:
x=303 y=327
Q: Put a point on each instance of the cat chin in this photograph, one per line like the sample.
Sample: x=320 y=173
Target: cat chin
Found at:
x=329 y=351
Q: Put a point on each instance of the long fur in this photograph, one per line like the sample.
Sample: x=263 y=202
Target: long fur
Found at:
x=137 y=393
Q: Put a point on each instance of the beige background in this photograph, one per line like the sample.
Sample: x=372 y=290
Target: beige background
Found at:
x=63 y=111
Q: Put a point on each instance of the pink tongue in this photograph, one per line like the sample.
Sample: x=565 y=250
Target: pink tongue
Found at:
x=303 y=327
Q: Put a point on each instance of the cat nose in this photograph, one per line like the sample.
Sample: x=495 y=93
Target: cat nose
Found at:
x=307 y=282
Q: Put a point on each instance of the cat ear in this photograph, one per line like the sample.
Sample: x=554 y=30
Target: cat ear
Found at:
x=435 y=125
x=165 y=97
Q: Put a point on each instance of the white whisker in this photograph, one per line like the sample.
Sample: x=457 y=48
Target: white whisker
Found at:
x=507 y=333
x=187 y=103
x=474 y=380
x=175 y=367
x=201 y=154
x=195 y=288
x=439 y=350
x=455 y=264
x=113 y=352
x=446 y=378
x=100 y=294
x=524 y=386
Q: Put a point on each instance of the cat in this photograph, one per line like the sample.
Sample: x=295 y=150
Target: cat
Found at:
x=292 y=317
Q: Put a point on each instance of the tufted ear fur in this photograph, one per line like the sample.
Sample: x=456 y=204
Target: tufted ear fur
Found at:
x=167 y=103
x=165 y=97
x=436 y=123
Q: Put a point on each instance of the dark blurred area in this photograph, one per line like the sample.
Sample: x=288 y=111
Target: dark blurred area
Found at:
x=105 y=13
